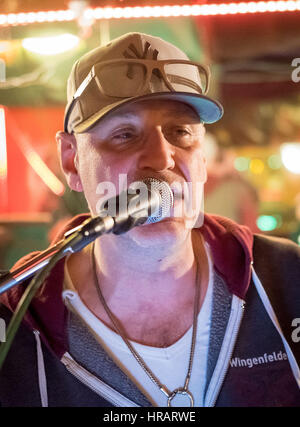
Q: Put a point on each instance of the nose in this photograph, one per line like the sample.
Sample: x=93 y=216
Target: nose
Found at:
x=157 y=153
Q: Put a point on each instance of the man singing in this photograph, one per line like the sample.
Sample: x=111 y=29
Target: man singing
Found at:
x=189 y=310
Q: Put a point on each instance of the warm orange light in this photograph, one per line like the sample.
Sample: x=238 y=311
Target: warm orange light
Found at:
x=36 y=17
x=3 y=162
x=3 y=150
x=45 y=173
x=40 y=167
x=152 y=12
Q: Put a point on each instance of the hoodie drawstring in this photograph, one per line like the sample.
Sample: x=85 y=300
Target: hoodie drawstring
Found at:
x=41 y=370
x=266 y=302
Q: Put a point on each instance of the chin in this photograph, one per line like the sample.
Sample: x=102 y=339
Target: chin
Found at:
x=166 y=232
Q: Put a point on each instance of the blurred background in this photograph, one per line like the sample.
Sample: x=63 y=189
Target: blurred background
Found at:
x=253 y=152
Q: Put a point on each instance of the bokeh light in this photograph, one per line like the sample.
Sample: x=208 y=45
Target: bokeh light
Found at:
x=256 y=166
x=274 y=161
x=242 y=164
x=51 y=45
x=267 y=222
x=290 y=155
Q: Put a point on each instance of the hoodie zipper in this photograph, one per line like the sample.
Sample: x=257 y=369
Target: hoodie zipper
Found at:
x=95 y=384
x=217 y=380
x=41 y=370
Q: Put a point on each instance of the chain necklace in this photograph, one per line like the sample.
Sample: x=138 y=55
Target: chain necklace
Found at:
x=180 y=390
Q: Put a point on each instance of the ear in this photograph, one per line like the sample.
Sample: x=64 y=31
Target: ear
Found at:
x=67 y=151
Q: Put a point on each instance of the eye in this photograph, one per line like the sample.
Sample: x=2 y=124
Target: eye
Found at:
x=179 y=135
x=182 y=132
x=123 y=136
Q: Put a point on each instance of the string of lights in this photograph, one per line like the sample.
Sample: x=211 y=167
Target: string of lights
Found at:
x=13 y=19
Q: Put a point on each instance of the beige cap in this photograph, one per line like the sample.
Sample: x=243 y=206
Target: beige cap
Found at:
x=86 y=107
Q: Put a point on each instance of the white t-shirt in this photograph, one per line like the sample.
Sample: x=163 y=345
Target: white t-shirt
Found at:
x=168 y=364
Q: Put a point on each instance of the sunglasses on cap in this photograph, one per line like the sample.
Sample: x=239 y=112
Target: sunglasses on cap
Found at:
x=127 y=78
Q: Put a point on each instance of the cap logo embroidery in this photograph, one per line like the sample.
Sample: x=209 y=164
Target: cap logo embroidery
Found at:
x=135 y=54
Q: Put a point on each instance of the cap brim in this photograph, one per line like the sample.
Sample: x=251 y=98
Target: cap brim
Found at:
x=209 y=110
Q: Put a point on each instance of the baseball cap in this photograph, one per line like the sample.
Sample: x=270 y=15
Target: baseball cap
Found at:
x=115 y=74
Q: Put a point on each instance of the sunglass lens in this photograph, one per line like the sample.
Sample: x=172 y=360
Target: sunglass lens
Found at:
x=121 y=80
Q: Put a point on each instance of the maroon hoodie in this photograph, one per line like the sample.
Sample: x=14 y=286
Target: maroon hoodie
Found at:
x=249 y=337
x=48 y=313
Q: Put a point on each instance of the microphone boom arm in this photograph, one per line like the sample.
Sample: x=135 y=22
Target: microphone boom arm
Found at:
x=90 y=229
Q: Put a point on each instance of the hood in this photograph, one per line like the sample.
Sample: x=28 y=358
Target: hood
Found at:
x=231 y=247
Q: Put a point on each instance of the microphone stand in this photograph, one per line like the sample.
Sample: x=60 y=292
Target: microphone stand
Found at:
x=137 y=212
x=74 y=241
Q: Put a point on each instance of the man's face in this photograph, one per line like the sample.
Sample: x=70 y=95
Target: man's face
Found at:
x=159 y=139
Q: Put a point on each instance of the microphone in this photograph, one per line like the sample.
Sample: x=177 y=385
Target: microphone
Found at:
x=144 y=202
x=163 y=191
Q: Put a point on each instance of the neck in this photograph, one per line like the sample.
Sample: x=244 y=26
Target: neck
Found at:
x=143 y=274
x=153 y=297
x=129 y=256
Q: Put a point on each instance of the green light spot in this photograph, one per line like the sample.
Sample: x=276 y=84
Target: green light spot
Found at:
x=266 y=222
x=241 y=164
x=274 y=161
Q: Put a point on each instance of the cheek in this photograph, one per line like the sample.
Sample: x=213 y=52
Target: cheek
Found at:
x=104 y=174
x=94 y=166
x=91 y=170
x=87 y=165
x=199 y=176
x=203 y=168
x=193 y=165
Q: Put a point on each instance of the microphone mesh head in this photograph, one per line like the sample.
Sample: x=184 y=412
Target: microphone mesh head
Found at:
x=166 y=198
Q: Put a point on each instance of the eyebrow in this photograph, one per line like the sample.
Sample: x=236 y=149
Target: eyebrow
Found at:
x=170 y=111
x=119 y=116
x=183 y=110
